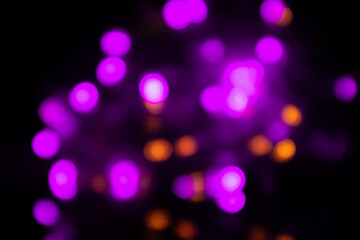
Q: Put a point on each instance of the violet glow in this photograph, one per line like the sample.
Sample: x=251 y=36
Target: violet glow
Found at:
x=212 y=50
x=269 y=49
x=231 y=202
x=176 y=14
x=63 y=179
x=345 y=88
x=183 y=187
x=272 y=11
x=45 y=144
x=124 y=180
x=153 y=88
x=198 y=10
x=46 y=212
x=230 y=179
x=115 y=43
x=211 y=99
x=278 y=131
x=83 y=97
x=110 y=71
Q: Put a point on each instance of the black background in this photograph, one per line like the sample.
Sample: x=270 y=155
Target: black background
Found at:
x=42 y=46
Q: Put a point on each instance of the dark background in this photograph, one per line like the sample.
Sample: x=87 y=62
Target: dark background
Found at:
x=44 y=47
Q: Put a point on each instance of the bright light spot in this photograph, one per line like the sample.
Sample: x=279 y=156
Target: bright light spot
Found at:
x=284 y=151
x=286 y=18
x=111 y=71
x=272 y=10
x=186 y=229
x=186 y=146
x=115 y=43
x=176 y=14
x=153 y=88
x=231 y=202
x=158 y=219
x=183 y=187
x=237 y=100
x=269 y=49
x=345 y=88
x=259 y=145
x=230 y=179
x=45 y=144
x=212 y=50
x=46 y=212
x=157 y=150
x=211 y=99
x=84 y=97
x=198 y=10
x=63 y=179
x=154 y=108
x=291 y=115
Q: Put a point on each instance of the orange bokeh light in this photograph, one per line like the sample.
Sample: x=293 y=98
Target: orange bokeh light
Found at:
x=284 y=151
x=199 y=195
x=286 y=18
x=99 y=183
x=158 y=219
x=154 y=108
x=153 y=123
x=291 y=115
x=259 y=145
x=186 y=229
x=284 y=237
x=258 y=233
x=157 y=150
x=186 y=146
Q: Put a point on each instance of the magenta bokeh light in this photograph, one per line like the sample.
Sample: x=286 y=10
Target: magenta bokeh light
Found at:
x=272 y=10
x=84 y=97
x=230 y=179
x=111 y=71
x=124 y=180
x=211 y=99
x=236 y=102
x=153 y=88
x=115 y=43
x=46 y=212
x=345 y=88
x=45 y=144
x=176 y=14
x=269 y=49
x=231 y=202
x=212 y=50
x=63 y=179
x=198 y=10
x=278 y=131
x=183 y=187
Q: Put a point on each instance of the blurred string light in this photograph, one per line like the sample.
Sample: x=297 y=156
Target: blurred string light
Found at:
x=154 y=108
x=269 y=49
x=154 y=88
x=186 y=229
x=212 y=50
x=63 y=176
x=284 y=151
x=158 y=219
x=110 y=71
x=45 y=144
x=345 y=88
x=291 y=115
x=83 y=97
x=115 y=43
x=157 y=150
x=186 y=146
x=46 y=212
x=259 y=145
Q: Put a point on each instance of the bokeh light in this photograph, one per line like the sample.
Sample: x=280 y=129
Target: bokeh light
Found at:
x=236 y=101
x=154 y=88
x=198 y=185
x=46 y=212
x=258 y=233
x=177 y=15
x=345 y=88
x=158 y=219
x=45 y=144
x=83 y=97
x=186 y=146
x=115 y=43
x=231 y=202
x=186 y=229
x=230 y=179
x=291 y=115
x=259 y=145
x=183 y=187
x=212 y=50
x=284 y=151
x=272 y=11
x=286 y=18
x=63 y=179
x=157 y=150
x=110 y=71
x=269 y=49
x=154 y=108
x=198 y=10
x=124 y=180
x=211 y=99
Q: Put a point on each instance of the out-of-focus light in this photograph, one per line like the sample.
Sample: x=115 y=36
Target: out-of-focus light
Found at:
x=211 y=99
x=286 y=18
x=45 y=144
x=198 y=10
x=186 y=146
x=154 y=88
x=183 y=187
x=154 y=108
x=56 y=116
x=158 y=219
x=115 y=43
x=236 y=101
x=231 y=178
x=284 y=237
x=269 y=49
x=124 y=180
x=157 y=150
x=63 y=179
x=272 y=11
x=258 y=233
x=46 y=212
x=259 y=145
x=345 y=88
x=153 y=123
x=212 y=50
x=291 y=115
x=198 y=185
x=278 y=131
x=186 y=229
x=110 y=71
x=99 y=183
x=284 y=151
x=84 y=97
x=231 y=202
x=176 y=14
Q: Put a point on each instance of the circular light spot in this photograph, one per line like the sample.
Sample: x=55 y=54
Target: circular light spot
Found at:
x=84 y=97
x=111 y=71
x=115 y=43
x=45 y=144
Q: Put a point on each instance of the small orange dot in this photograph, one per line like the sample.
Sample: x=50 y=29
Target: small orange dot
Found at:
x=286 y=18
x=157 y=150
x=291 y=115
x=284 y=151
x=154 y=108
x=186 y=229
x=186 y=146
x=284 y=237
x=259 y=145
x=158 y=219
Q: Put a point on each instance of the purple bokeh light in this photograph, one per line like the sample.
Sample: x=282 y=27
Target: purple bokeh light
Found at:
x=183 y=187
x=46 y=212
x=83 y=97
x=278 y=131
x=111 y=71
x=124 y=180
x=115 y=43
x=45 y=144
x=231 y=202
x=198 y=10
x=176 y=14
x=345 y=88
x=63 y=179
x=153 y=88
x=269 y=49
x=272 y=11
x=212 y=50
x=211 y=99
x=230 y=179
x=236 y=102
